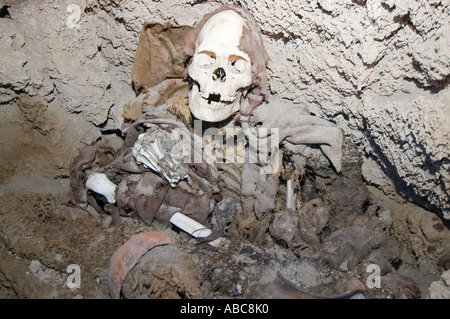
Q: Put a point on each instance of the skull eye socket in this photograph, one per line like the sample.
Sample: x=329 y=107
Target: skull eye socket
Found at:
x=205 y=59
x=237 y=64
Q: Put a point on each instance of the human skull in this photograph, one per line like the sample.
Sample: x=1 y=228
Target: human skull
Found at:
x=221 y=72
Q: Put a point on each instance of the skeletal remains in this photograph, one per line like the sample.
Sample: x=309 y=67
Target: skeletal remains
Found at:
x=220 y=71
x=228 y=89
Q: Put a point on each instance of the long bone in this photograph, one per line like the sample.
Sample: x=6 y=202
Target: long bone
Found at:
x=193 y=228
x=99 y=183
x=290 y=198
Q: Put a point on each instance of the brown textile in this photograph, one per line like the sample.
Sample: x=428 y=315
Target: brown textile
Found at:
x=142 y=192
x=159 y=55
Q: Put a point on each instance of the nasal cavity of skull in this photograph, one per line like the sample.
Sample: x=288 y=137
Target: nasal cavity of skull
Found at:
x=219 y=74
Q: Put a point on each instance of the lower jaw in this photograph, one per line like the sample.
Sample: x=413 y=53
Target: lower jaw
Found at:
x=211 y=112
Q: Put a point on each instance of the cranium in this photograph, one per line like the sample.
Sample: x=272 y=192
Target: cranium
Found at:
x=220 y=71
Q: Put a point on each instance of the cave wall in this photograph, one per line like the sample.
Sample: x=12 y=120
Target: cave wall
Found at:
x=378 y=68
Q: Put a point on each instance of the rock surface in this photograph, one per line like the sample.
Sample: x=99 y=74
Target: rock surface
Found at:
x=440 y=289
x=377 y=68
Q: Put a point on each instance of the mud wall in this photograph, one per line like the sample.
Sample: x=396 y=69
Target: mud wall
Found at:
x=377 y=68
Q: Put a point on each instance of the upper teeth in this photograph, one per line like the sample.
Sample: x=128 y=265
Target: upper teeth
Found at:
x=221 y=98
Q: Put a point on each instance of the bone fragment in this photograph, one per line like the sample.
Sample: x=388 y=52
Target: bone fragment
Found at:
x=193 y=228
x=151 y=154
x=290 y=196
x=99 y=183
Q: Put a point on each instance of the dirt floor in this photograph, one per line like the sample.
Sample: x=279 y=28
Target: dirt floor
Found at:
x=346 y=230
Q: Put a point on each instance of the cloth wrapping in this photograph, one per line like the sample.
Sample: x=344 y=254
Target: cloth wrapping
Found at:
x=297 y=127
x=159 y=55
x=141 y=192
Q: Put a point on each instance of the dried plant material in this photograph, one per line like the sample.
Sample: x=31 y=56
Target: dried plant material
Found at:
x=133 y=109
x=126 y=257
x=178 y=105
x=166 y=272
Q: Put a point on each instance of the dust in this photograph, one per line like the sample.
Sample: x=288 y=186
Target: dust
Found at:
x=36 y=229
x=320 y=246
x=395 y=113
